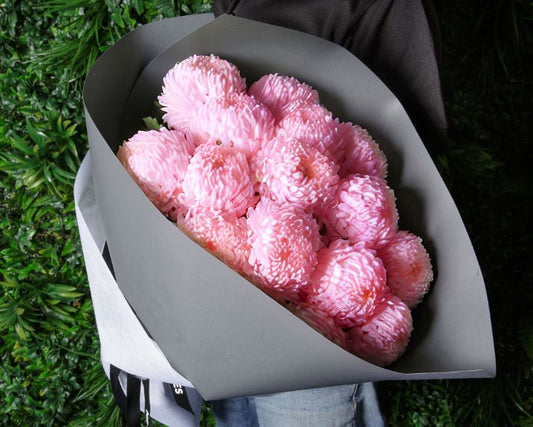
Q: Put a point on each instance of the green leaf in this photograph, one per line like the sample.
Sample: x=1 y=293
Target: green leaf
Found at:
x=8 y=282
x=151 y=123
x=63 y=291
x=525 y=336
x=20 y=332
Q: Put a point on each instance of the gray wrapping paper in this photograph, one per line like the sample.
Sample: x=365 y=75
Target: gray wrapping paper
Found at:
x=216 y=329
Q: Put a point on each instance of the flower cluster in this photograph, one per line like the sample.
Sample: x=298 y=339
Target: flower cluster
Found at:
x=292 y=198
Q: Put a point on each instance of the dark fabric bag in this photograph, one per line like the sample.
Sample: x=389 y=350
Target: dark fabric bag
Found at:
x=397 y=39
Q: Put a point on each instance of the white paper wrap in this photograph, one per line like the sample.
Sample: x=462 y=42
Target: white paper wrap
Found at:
x=123 y=340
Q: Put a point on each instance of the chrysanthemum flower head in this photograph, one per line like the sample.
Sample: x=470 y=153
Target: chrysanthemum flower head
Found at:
x=157 y=161
x=237 y=119
x=363 y=155
x=384 y=337
x=290 y=171
x=194 y=81
x=364 y=210
x=316 y=126
x=218 y=177
x=321 y=321
x=348 y=283
x=284 y=241
x=408 y=265
x=282 y=93
x=223 y=234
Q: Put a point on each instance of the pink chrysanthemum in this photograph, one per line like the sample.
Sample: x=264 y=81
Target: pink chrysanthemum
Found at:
x=348 y=283
x=282 y=93
x=237 y=119
x=218 y=178
x=192 y=82
x=157 y=161
x=284 y=241
x=316 y=126
x=223 y=234
x=290 y=171
x=364 y=210
x=408 y=266
x=322 y=322
x=384 y=337
x=363 y=155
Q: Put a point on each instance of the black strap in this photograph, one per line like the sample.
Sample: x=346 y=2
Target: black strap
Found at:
x=180 y=396
x=133 y=416
x=146 y=387
x=116 y=388
x=128 y=402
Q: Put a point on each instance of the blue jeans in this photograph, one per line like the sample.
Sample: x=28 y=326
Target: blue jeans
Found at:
x=348 y=405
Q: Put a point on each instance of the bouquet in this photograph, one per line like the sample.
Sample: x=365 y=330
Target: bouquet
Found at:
x=289 y=196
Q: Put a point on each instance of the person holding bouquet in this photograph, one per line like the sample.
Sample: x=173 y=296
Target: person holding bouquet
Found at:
x=399 y=41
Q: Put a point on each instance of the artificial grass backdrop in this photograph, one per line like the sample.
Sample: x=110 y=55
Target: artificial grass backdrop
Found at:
x=50 y=370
